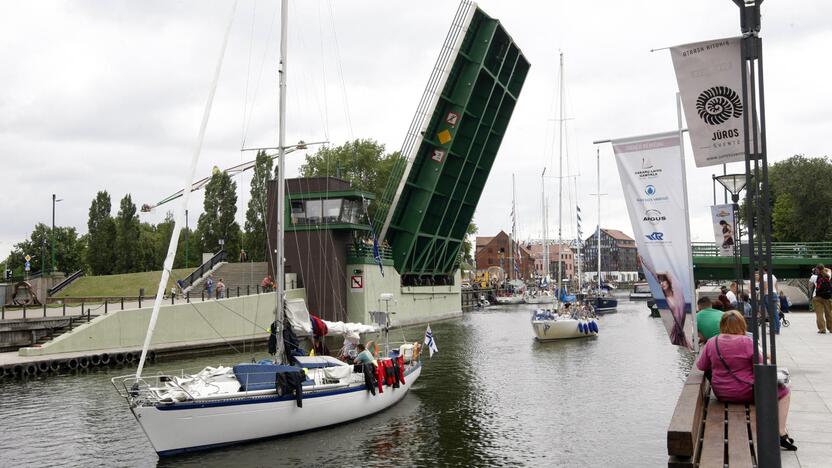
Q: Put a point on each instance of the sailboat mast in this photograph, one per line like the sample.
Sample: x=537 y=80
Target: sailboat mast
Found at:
x=513 y=273
x=281 y=177
x=545 y=226
x=598 y=231
x=560 y=187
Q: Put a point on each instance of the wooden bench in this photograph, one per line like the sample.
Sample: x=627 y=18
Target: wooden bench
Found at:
x=706 y=433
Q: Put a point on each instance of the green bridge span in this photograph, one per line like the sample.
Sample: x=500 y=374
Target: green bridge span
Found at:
x=789 y=259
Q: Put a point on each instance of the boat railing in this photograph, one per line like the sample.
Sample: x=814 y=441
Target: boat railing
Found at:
x=146 y=388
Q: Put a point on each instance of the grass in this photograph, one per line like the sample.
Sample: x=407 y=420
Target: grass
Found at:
x=121 y=285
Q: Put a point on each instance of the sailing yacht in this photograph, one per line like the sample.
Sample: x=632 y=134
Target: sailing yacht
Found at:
x=564 y=319
x=226 y=405
x=601 y=298
x=514 y=294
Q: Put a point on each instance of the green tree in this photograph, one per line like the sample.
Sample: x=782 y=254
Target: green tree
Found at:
x=217 y=220
x=800 y=199
x=465 y=258
x=362 y=162
x=128 y=230
x=255 y=227
x=102 y=235
x=69 y=250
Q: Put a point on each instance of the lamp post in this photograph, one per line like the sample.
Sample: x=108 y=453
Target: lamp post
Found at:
x=759 y=231
x=52 y=235
x=735 y=183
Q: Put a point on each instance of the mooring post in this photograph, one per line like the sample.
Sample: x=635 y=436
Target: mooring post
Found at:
x=122 y=302
x=24 y=311
x=105 y=306
x=248 y=290
x=44 y=309
x=238 y=291
x=82 y=309
x=172 y=297
x=188 y=297
x=140 y=298
x=64 y=309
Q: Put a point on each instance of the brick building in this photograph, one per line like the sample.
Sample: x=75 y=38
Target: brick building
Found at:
x=494 y=251
x=618 y=256
x=567 y=257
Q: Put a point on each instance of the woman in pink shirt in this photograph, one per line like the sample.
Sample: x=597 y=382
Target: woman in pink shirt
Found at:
x=729 y=356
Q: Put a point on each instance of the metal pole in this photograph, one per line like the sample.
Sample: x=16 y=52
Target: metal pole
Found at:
x=52 y=235
x=692 y=285
x=105 y=306
x=186 y=238
x=757 y=201
x=281 y=177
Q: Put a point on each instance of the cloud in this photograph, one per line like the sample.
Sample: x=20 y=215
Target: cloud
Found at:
x=109 y=95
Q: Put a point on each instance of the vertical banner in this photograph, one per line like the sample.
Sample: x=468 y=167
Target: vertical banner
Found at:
x=710 y=82
x=651 y=176
x=723 y=218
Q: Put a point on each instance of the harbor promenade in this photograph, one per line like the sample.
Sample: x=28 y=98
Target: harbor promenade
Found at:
x=807 y=356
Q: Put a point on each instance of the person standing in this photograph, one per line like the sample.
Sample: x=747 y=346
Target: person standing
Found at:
x=220 y=289
x=732 y=294
x=822 y=302
x=771 y=297
x=209 y=286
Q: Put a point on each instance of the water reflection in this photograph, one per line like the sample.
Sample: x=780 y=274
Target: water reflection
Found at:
x=493 y=396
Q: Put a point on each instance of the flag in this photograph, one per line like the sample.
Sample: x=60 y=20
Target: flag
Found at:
x=429 y=342
x=710 y=84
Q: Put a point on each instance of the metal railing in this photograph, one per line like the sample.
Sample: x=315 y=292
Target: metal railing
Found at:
x=195 y=275
x=66 y=282
x=366 y=251
x=778 y=249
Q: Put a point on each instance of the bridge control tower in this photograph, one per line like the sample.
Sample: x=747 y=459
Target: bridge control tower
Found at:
x=431 y=196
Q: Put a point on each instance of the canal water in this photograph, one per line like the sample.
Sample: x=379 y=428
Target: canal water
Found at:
x=492 y=396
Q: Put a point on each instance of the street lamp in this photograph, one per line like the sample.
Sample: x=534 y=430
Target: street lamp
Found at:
x=735 y=183
x=52 y=234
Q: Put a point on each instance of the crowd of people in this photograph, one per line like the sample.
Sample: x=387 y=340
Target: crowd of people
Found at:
x=727 y=355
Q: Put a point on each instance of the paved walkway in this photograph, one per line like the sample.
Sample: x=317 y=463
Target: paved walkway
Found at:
x=808 y=356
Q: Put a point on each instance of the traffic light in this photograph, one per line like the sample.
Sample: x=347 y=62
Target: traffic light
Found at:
x=8 y=275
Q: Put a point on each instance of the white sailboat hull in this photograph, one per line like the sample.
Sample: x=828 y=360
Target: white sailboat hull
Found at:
x=509 y=299
x=561 y=329
x=542 y=299
x=184 y=427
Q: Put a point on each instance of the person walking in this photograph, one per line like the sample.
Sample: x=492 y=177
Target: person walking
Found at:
x=822 y=302
x=771 y=298
x=220 y=289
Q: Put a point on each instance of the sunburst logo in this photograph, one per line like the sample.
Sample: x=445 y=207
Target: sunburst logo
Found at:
x=718 y=104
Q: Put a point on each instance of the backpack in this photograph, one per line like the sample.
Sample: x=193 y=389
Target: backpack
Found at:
x=824 y=288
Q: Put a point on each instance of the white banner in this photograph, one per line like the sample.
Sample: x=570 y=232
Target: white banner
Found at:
x=710 y=82
x=652 y=178
x=723 y=218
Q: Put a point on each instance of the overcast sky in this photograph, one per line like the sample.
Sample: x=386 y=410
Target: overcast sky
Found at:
x=109 y=95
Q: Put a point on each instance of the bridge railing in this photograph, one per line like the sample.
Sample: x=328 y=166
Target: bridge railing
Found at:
x=778 y=249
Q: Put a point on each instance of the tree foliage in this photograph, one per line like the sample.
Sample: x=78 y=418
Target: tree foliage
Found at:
x=255 y=226
x=362 y=162
x=801 y=199
x=128 y=230
x=466 y=259
x=69 y=251
x=217 y=220
x=101 y=236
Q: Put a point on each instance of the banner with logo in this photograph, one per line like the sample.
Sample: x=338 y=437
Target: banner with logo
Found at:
x=710 y=83
x=723 y=217
x=651 y=174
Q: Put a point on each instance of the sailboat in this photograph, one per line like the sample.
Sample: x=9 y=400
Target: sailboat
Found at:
x=565 y=319
x=542 y=294
x=514 y=294
x=226 y=405
x=600 y=298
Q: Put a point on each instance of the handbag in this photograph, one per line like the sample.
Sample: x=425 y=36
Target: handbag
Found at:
x=783 y=376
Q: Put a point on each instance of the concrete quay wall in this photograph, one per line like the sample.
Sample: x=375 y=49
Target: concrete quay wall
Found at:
x=235 y=318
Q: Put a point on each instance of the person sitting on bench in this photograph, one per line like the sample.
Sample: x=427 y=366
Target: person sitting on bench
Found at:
x=729 y=356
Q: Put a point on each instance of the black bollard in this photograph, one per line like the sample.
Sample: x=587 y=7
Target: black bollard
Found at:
x=64 y=309
x=248 y=290
x=238 y=291
x=105 y=306
x=258 y=289
x=82 y=309
x=171 y=298
x=44 y=309
x=122 y=302
x=188 y=297
x=2 y=312
x=24 y=311
x=140 y=300
x=203 y=295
